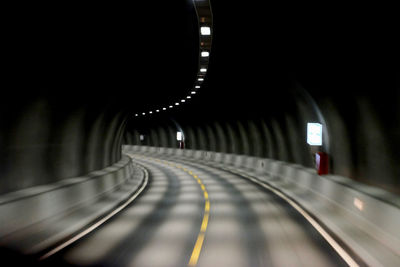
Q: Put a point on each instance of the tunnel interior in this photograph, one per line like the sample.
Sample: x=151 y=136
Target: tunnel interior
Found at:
x=271 y=74
x=81 y=81
x=74 y=83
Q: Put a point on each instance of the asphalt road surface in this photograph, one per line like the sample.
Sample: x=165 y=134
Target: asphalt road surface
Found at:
x=192 y=214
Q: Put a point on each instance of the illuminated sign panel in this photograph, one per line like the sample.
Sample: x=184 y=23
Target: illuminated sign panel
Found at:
x=179 y=136
x=314 y=134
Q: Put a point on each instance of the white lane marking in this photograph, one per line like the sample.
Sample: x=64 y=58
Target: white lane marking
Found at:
x=332 y=242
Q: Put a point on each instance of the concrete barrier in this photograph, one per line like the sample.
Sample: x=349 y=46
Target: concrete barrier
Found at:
x=24 y=212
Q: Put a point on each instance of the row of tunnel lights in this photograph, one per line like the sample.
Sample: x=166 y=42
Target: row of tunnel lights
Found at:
x=203 y=31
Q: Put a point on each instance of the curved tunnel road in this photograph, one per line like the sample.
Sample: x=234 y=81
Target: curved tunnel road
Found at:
x=193 y=214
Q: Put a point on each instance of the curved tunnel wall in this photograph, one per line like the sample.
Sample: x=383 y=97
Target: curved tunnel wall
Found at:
x=72 y=75
x=47 y=143
x=361 y=133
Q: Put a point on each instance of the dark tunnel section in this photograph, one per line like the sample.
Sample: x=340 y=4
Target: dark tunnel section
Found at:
x=270 y=75
x=73 y=74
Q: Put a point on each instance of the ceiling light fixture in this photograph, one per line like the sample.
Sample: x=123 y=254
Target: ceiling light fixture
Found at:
x=205 y=30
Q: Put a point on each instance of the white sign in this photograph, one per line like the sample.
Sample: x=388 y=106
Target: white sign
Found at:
x=314 y=134
x=179 y=136
x=141 y=137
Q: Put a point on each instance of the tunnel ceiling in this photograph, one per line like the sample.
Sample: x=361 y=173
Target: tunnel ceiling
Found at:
x=146 y=55
x=100 y=53
x=260 y=54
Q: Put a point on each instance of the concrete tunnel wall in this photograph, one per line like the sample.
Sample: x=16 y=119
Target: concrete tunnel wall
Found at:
x=72 y=76
x=361 y=131
x=45 y=143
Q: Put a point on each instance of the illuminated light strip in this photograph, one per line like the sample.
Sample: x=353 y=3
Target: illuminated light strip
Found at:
x=332 y=242
x=99 y=223
x=205 y=30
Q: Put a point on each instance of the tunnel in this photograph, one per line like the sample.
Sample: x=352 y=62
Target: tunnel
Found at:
x=200 y=133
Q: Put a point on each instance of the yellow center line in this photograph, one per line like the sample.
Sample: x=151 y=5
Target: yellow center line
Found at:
x=204 y=223
x=200 y=238
x=196 y=251
x=207 y=206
